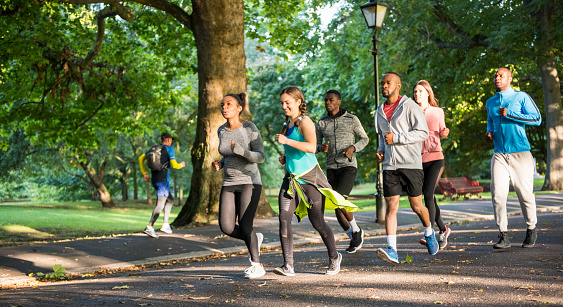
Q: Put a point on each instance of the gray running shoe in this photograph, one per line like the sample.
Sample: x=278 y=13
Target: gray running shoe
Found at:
x=254 y=271
x=443 y=238
x=334 y=266
x=150 y=232
x=285 y=270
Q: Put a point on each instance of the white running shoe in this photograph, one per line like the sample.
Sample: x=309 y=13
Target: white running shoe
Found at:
x=166 y=228
x=254 y=271
x=150 y=232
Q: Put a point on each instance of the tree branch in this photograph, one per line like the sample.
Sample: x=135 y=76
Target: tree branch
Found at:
x=91 y=115
x=101 y=18
x=170 y=8
x=475 y=41
x=77 y=176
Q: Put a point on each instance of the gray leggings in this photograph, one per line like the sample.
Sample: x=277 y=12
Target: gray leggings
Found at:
x=239 y=202
x=287 y=206
x=162 y=202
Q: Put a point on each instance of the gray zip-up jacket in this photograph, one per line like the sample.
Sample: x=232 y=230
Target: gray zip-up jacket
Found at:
x=341 y=131
x=410 y=129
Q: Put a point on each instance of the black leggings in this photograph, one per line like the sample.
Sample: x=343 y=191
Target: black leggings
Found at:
x=432 y=173
x=287 y=206
x=342 y=181
x=240 y=202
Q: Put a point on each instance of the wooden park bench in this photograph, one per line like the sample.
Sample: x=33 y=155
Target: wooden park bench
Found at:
x=454 y=188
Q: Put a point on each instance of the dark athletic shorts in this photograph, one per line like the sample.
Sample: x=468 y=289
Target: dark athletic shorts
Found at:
x=342 y=180
x=399 y=180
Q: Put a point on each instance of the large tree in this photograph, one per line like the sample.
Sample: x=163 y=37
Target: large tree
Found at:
x=118 y=81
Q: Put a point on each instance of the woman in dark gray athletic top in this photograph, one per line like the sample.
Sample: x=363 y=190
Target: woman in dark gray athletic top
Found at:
x=241 y=146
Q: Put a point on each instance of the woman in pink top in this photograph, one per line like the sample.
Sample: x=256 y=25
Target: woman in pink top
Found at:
x=432 y=156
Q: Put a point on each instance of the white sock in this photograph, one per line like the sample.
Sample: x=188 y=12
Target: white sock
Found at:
x=349 y=232
x=392 y=241
x=354 y=226
x=428 y=231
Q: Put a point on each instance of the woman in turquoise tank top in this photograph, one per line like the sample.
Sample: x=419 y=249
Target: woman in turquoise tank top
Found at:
x=300 y=142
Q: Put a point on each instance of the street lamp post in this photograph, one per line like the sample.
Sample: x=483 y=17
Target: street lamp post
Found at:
x=374 y=13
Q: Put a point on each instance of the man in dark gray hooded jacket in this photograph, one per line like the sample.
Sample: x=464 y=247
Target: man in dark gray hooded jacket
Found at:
x=343 y=136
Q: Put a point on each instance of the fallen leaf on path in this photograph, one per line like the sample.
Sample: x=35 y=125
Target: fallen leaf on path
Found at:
x=198 y=297
x=262 y=285
x=189 y=235
x=477 y=290
x=527 y=288
x=141 y=298
x=66 y=247
x=120 y=287
x=373 y=297
x=438 y=302
x=205 y=278
x=448 y=282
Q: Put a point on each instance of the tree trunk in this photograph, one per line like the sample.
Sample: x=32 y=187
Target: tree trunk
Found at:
x=148 y=187
x=264 y=209
x=553 y=122
x=124 y=190
x=135 y=185
x=178 y=182
x=551 y=93
x=218 y=28
x=105 y=196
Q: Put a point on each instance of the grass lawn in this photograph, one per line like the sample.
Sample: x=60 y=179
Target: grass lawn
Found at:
x=25 y=222
x=33 y=222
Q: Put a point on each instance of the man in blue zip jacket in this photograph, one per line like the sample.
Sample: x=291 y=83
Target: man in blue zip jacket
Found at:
x=509 y=111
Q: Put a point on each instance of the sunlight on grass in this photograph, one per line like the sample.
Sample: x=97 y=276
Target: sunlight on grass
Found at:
x=29 y=222
x=21 y=230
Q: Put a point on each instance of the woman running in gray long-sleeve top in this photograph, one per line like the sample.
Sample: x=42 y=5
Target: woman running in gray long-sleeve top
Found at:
x=241 y=146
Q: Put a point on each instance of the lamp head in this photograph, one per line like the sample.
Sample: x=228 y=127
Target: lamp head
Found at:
x=374 y=13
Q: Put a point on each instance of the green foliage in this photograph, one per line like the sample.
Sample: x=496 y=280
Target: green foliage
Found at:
x=455 y=45
x=58 y=273
x=56 y=96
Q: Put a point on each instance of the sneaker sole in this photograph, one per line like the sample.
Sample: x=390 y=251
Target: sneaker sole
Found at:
x=257 y=276
x=383 y=256
x=278 y=272
x=151 y=235
x=501 y=247
x=166 y=231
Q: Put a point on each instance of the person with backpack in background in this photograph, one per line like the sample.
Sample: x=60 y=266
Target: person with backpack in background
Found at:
x=159 y=159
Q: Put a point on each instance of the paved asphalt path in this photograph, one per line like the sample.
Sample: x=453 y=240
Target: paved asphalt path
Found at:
x=469 y=272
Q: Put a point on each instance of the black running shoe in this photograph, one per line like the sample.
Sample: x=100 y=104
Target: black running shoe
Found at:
x=531 y=236
x=503 y=241
x=356 y=242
